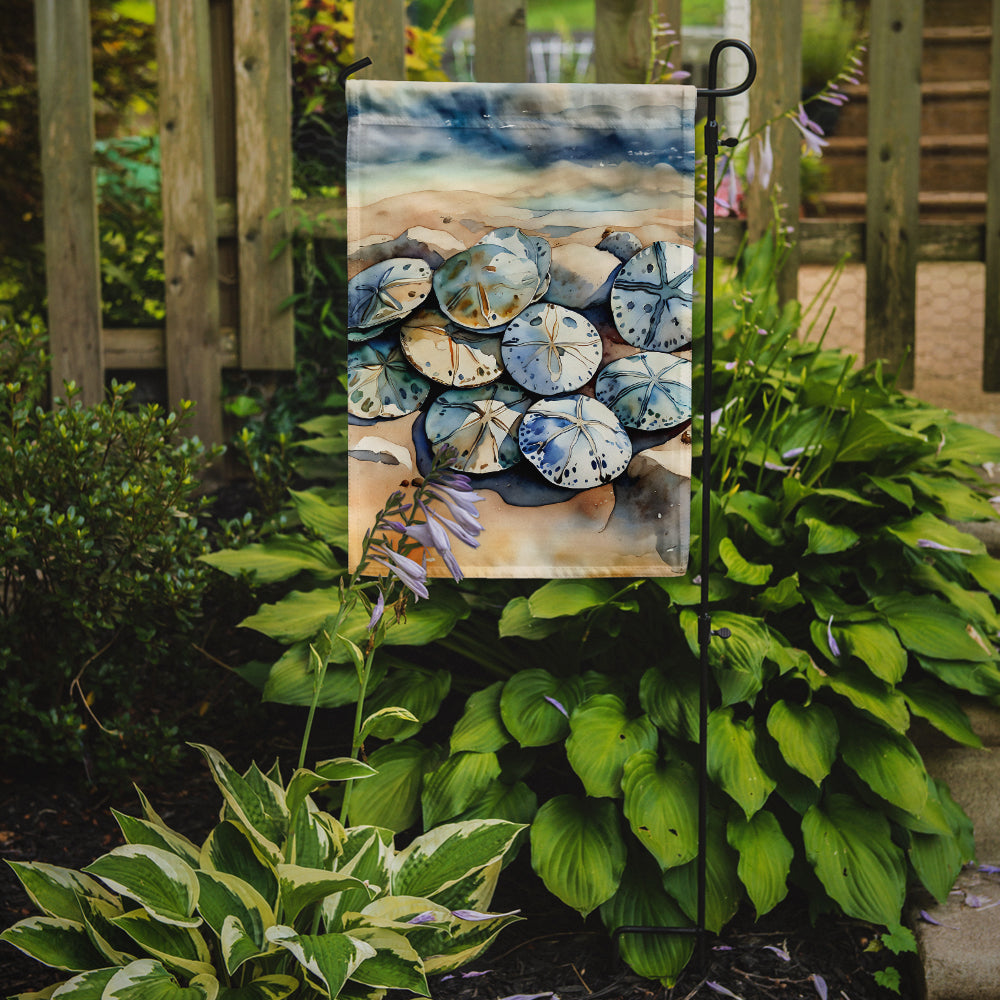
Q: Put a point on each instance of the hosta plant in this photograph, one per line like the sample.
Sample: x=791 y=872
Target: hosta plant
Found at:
x=279 y=900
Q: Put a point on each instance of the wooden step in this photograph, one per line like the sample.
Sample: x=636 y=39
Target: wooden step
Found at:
x=947 y=106
x=958 y=206
x=947 y=162
x=939 y=13
x=956 y=53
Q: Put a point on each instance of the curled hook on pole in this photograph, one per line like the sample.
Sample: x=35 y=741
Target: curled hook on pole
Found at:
x=354 y=67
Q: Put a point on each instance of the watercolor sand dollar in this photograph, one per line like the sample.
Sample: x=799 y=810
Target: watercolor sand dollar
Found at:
x=649 y=391
x=651 y=297
x=381 y=382
x=447 y=353
x=550 y=349
x=387 y=291
x=480 y=425
x=535 y=248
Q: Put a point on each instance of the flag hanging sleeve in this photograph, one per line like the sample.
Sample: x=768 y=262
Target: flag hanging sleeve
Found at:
x=520 y=263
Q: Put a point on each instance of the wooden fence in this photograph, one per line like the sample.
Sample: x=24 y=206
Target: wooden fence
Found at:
x=226 y=160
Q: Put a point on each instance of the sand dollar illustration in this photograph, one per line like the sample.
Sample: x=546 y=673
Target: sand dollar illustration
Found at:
x=359 y=335
x=381 y=382
x=574 y=441
x=448 y=353
x=650 y=391
x=480 y=424
x=485 y=286
x=535 y=248
x=550 y=349
x=651 y=297
x=387 y=291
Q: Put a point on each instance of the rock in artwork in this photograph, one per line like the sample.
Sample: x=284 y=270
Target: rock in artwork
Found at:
x=520 y=270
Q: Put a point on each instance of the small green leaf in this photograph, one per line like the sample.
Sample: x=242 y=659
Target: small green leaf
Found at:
x=456 y=784
x=785 y=594
x=535 y=706
x=384 y=723
x=560 y=598
x=765 y=858
x=391 y=798
x=828 y=539
x=671 y=699
x=417 y=690
x=807 y=736
x=481 y=727
x=732 y=760
x=517 y=620
x=888 y=763
x=739 y=569
x=279 y=558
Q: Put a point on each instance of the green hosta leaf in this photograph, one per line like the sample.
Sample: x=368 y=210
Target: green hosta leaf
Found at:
x=330 y=959
x=180 y=948
x=827 y=539
x=602 y=738
x=147 y=979
x=941 y=709
x=517 y=620
x=456 y=784
x=986 y=572
x=661 y=798
x=739 y=569
x=876 y=646
x=395 y=964
x=888 y=763
x=765 y=858
x=301 y=887
x=671 y=699
x=260 y=809
x=516 y=803
x=441 y=857
x=865 y=692
x=527 y=709
x=225 y=897
x=367 y=851
x=758 y=511
x=56 y=891
x=937 y=860
x=279 y=558
x=893 y=488
x=783 y=595
x=230 y=849
x=54 y=941
x=481 y=728
x=957 y=501
x=807 y=736
x=723 y=889
x=304 y=782
x=738 y=661
x=559 y=598
x=975 y=605
x=391 y=798
x=976 y=678
x=417 y=690
x=684 y=593
x=871 y=435
x=850 y=848
x=931 y=628
x=386 y=723
x=578 y=851
x=928 y=528
x=163 y=884
x=291 y=679
x=98 y=915
x=275 y=987
x=467 y=940
x=965 y=443
x=732 y=760
x=141 y=831
x=641 y=901
x=238 y=944
x=327 y=520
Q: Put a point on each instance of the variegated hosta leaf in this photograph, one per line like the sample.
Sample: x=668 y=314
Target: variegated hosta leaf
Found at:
x=481 y=727
x=158 y=880
x=395 y=964
x=54 y=941
x=274 y=987
x=225 y=897
x=56 y=891
x=732 y=760
x=300 y=887
x=850 y=847
x=467 y=941
x=230 y=849
x=304 y=782
x=142 y=831
x=441 y=857
x=456 y=784
x=807 y=735
x=328 y=959
x=642 y=902
x=177 y=947
x=367 y=854
x=149 y=980
x=258 y=803
x=98 y=915
x=661 y=799
x=602 y=738
x=765 y=858
x=578 y=851
x=475 y=891
x=315 y=838
x=86 y=986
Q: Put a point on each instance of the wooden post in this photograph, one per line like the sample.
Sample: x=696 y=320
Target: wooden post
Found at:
x=380 y=34
x=624 y=40
x=501 y=41
x=190 y=254
x=776 y=34
x=893 y=183
x=261 y=57
x=991 y=332
x=72 y=255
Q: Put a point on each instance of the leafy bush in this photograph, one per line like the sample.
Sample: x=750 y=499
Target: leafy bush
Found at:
x=99 y=540
x=279 y=899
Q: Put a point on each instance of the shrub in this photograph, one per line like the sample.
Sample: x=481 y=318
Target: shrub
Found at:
x=99 y=539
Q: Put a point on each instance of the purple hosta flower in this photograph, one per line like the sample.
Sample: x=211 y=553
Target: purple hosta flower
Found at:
x=820 y=984
x=812 y=134
x=989 y=869
x=927 y=543
x=780 y=952
x=459 y=500
x=727 y=197
x=465 y=975
x=432 y=536
x=719 y=988
x=760 y=166
x=408 y=571
x=831 y=642
x=927 y=918
x=559 y=705
x=531 y=996
x=427 y=917
x=377 y=612
x=475 y=915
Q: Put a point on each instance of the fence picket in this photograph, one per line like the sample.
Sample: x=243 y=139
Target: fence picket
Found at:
x=892 y=216
x=501 y=41
x=72 y=257
x=380 y=34
x=190 y=252
x=991 y=331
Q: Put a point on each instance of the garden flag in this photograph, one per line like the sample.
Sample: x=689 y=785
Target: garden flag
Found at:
x=520 y=270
